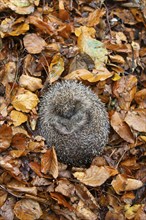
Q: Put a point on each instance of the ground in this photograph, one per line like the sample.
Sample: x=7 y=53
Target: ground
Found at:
x=102 y=44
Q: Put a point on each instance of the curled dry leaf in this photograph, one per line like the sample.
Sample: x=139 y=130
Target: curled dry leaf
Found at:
x=5 y=137
x=27 y=209
x=11 y=165
x=61 y=200
x=25 y=100
x=18 y=118
x=136 y=119
x=95 y=176
x=49 y=163
x=140 y=98
x=121 y=128
x=121 y=184
x=94 y=48
x=56 y=68
x=31 y=42
x=83 y=74
x=30 y=83
x=124 y=89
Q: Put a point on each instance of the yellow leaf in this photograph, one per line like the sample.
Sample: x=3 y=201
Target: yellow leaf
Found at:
x=116 y=77
x=18 y=117
x=56 y=68
x=25 y=100
x=30 y=83
x=94 y=48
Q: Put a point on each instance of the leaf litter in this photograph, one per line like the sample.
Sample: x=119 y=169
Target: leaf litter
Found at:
x=103 y=45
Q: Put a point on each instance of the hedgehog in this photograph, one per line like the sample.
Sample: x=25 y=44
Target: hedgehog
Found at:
x=74 y=120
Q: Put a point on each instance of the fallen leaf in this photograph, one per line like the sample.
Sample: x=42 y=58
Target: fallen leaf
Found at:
x=140 y=98
x=61 y=200
x=21 y=7
x=25 y=100
x=31 y=42
x=65 y=187
x=94 y=48
x=136 y=119
x=18 y=118
x=20 y=141
x=130 y=211
x=100 y=74
x=121 y=184
x=84 y=212
x=5 y=137
x=27 y=209
x=121 y=128
x=3 y=197
x=124 y=89
x=30 y=83
x=95 y=176
x=49 y=163
x=56 y=68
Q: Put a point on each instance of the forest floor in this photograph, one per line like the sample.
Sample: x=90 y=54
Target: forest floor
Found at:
x=103 y=44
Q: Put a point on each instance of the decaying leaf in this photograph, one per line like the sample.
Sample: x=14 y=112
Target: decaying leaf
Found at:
x=25 y=100
x=94 y=48
x=5 y=137
x=121 y=184
x=18 y=117
x=95 y=176
x=31 y=42
x=49 y=163
x=27 y=209
x=3 y=197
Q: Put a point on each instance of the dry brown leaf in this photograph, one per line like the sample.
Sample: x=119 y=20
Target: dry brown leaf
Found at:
x=30 y=83
x=136 y=119
x=18 y=118
x=36 y=168
x=20 y=141
x=31 y=42
x=61 y=200
x=121 y=184
x=27 y=209
x=3 y=197
x=125 y=89
x=95 y=176
x=11 y=165
x=25 y=100
x=6 y=211
x=95 y=17
x=49 y=163
x=20 y=187
x=121 y=128
x=140 y=98
x=65 y=187
x=117 y=59
x=84 y=212
x=5 y=137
